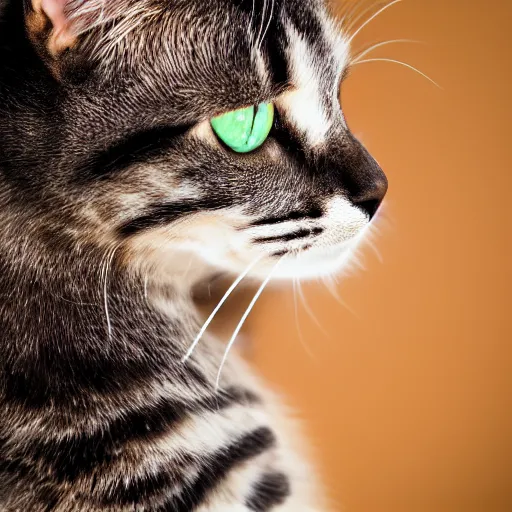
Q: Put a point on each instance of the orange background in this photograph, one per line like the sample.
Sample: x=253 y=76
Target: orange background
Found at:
x=409 y=403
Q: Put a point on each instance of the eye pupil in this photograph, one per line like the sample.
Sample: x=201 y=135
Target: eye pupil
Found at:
x=245 y=129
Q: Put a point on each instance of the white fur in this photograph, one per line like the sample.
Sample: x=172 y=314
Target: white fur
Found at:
x=303 y=104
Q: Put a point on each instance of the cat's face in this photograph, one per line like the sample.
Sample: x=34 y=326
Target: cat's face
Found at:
x=140 y=165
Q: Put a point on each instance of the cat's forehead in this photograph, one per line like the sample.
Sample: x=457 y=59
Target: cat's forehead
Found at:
x=279 y=33
x=228 y=51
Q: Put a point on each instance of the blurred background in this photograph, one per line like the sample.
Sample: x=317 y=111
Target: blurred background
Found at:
x=406 y=393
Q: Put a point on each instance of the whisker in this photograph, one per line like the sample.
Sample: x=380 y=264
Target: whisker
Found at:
x=146 y=287
x=69 y=301
x=268 y=23
x=297 y=326
x=374 y=248
x=347 y=16
x=363 y=13
x=252 y=15
x=356 y=261
x=402 y=64
x=189 y=266
x=237 y=281
x=264 y=11
x=309 y=311
x=329 y=284
x=362 y=54
x=243 y=319
x=108 y=263
x=369 y=20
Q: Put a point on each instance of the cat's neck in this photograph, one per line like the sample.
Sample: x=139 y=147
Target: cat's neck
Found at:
x=85 y=324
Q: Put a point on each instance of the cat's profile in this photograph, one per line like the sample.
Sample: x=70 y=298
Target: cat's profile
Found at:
x=146 y=145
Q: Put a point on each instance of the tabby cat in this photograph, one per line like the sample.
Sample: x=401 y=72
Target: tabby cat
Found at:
x=146 y=146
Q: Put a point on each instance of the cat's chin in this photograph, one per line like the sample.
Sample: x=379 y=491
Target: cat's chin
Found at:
x=316 y=262
x=313 y=263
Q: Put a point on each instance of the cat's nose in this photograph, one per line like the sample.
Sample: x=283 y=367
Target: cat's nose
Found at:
x=350 y=170
x=372 y=196
x=362 y=178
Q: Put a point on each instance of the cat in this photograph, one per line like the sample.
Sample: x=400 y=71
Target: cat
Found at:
x=145 y=147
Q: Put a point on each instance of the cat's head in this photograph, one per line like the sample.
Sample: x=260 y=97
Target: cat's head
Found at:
x=128 y=156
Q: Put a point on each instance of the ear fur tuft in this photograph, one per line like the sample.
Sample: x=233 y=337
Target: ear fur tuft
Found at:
x=58 y=23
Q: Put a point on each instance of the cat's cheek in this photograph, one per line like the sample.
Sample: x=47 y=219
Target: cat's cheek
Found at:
x=167 y=252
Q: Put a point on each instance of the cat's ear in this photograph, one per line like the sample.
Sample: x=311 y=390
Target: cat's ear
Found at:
x=56 y=24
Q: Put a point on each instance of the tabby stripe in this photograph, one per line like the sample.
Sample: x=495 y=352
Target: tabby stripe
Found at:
x=146 y=488
x=16 y=471
x=296 y=235
x=50 y=377
x=16 y=467
x=258 y=13
x=77 y=455
x=271 y=490
x=308 y=26
x=136 y=148
x=276 y=55
x=283 y=133
x=217 y=467
x=163 y=214
x=303 y=17
x=313 y=213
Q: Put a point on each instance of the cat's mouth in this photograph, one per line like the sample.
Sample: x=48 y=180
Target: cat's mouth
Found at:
x=310 y=247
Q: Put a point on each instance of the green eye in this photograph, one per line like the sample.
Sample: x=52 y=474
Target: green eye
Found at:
x=246 y=129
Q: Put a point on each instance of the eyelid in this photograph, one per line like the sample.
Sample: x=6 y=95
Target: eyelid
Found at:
x=235 y=107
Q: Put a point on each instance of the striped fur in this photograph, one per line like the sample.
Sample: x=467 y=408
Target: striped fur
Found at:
x=116 y=201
